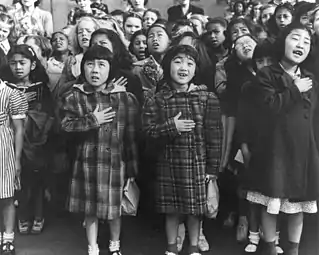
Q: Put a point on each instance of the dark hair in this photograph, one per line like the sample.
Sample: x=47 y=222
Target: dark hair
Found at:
x=132 y=15
x=183 y=22
x=157 y=12
x=98 y=52
x=101 y=7
x=263 y=50
x=117 y=13
x=43 y=43
x=39 y=74
x=162 y=23
x=302 y=8
x=281 y=40
x=36 y=3
x=236 y=4
x=120 y=53
x=173 y=52
x=218 y=20
x=54 y=53
x=246 y=22
x=136 y=34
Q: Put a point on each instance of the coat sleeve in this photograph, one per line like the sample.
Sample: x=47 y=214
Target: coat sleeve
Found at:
x=73 y=120
x=132 y=130
x=271 y=98
x=213 y=135
x=152 y=125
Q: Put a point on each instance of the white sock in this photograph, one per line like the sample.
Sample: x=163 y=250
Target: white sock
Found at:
x=8 y=237
x=114 y=246
x=277 y=237
x=254 y=237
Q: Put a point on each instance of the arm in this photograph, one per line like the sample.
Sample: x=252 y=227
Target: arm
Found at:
x=131 y=135
x=213 y=135
x=74 y=120
x=151 y=125
x=18 y=125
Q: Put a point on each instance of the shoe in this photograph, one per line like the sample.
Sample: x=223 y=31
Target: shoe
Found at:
x=7 y=248
x=170 y=253
x=202 y=242
x=279 y=250
x=251 y=248
x=93 y=251
x=242 y=229
x=195 y=253
x=181 y=237
x=24 y=227
x=37 y=226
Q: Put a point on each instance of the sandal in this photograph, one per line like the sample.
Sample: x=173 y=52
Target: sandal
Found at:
x=7 y=248
x=24 y=227
x=37 y=226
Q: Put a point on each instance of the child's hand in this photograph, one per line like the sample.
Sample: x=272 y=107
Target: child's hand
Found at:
x=104 y=116
x=18 y=168
x=183 y=125
x=303 y=84
x=47 y=195
x=31 y=96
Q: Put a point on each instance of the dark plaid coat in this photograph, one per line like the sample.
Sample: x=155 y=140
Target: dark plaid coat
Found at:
x=106 y=154
x=184 y=159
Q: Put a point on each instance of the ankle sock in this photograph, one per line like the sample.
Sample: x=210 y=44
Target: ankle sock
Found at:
x=269 y=248
x=193 y=249
x=293 y=248
x=114 y=246
x=254 y=237
x=277 y=237
x=8 y=237
x=172 y=248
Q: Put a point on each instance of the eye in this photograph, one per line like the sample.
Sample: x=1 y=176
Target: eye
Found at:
x=190 y=64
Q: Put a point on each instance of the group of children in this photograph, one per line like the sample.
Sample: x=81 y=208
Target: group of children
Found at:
x=172 y=104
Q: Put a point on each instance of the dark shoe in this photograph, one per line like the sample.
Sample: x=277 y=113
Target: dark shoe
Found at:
x=24 y=227
x=37 y=227
x=7 y=248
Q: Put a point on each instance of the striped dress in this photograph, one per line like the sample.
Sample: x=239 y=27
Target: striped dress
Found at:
x=12 y=106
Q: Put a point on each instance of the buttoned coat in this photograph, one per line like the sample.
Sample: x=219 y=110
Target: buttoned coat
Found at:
x=184 y=158
x=285 y=159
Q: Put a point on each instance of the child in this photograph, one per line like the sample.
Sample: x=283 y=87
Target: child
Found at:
x=183 y=10
x=266 y=13
x=6 y=28
x=118 y=15
x=183 y=164
x=138 y=6
x=55 y=64
x=247 y=118
x=13 y=110
x=284 y=163
x=132 y=23
x=106 y=120
x=26 y=74
x=138 y=45
x=83 y=8
x=199 y=21
x=150 y=16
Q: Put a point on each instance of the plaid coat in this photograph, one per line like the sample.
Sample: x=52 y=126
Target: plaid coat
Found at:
x=106 y=154
x=184 y=159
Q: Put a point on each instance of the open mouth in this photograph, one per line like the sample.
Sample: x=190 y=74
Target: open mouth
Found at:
x=155 y=45
x=95 y=78
x=85 y=40
x=298 y=53
x=183 y=75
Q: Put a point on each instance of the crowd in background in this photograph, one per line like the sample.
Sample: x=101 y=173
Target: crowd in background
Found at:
x=121 y=96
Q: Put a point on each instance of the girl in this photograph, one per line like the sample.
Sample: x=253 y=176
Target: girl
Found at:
x=60 y=54
x=303 y=12
x=150 y=16
x=239 y=9
x=30 y=19
x=284 y=164
x=138 y=45
x=255 y=13
x=6 y=29
x=132 y=23
x=26 y=74
x=266 y=12
x=13 y=112
x=81 y=41
x=172 y=117
x=138 y=6
x=106 y=120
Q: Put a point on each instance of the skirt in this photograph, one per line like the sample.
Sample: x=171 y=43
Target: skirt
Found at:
x=276 y=205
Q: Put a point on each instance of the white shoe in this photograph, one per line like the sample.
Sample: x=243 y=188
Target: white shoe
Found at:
x=279 y=250
x=170 y=253
x=93 y=250
x=251 y=248
x=202 y=242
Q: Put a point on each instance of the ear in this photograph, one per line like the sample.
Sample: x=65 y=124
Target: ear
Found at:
x=33 y=65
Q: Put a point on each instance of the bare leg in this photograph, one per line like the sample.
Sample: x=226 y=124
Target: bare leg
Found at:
x=295 y=226
x=269 y=229
x=9 y=213
x=193 y=226
x=92 y=225
x=171 y=225
x=115 y=229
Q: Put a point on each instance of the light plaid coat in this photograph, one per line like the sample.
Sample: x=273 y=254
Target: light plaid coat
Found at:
x=106 y=154
x=185 y=158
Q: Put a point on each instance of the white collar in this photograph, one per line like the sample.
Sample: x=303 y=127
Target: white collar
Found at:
x=5 y=46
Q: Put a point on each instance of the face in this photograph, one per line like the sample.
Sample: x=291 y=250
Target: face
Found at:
x=119 y=19
x=157 y=40
x=60 y=43
x=28 y=3
x=21 y=67
x=198 y=26
x=84 y=32
x=283 y=18
x=297 y=46
x=305 y=20
x=245 y=47
x=102 y=40
x=35 y=47
x=239 y=8
x=84 y=4
x=257 y=11
x=237 y=30
x=96 y=72
x=4 y=31
x=139 y=47
x=149 y=19
x=131 y=26
x=266 y=14
x=183 y=2
x=262 y=62
x=138 y=4
x=216 y=32
x=182 y=69
x=316 y=23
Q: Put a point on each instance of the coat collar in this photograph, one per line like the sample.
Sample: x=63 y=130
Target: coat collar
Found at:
x=167 y=91
x=109 y=89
